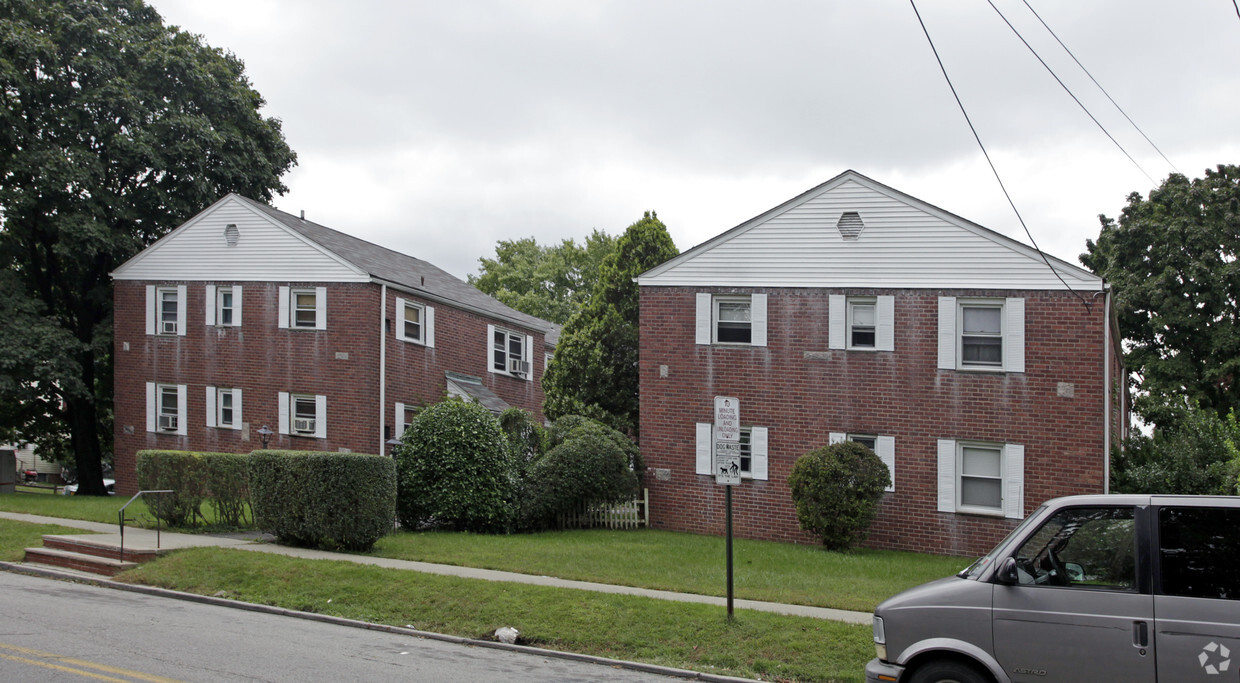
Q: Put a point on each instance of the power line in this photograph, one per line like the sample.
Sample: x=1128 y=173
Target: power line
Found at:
x=986 y=154
x=1070 y=93
x=1104 y=90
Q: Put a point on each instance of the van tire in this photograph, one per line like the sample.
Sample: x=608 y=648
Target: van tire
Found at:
x=949 y=671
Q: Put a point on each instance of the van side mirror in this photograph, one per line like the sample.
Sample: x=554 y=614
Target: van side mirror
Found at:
x=1007 y=574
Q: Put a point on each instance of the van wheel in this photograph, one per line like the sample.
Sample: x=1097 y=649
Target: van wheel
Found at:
x=949 y=671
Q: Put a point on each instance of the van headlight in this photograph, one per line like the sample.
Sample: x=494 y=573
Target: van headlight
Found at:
x=880 y=638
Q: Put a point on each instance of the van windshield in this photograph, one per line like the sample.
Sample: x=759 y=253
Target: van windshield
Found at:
x=980 y=564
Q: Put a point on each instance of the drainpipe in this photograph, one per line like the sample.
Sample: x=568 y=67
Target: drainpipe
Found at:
x=382 y=366
x=1106 y=396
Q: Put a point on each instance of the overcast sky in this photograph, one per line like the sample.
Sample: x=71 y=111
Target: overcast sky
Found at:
x=437 y=128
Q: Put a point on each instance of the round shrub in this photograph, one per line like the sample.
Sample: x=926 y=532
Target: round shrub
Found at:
x=572 y=426
x=836 y=490
x=336 y=501
x=455 y=470
x=587 y=468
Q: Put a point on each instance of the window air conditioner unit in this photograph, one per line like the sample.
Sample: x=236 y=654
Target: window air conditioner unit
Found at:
x=305 y=426
x=170 y=327
x=517 y=366
x=168 y=423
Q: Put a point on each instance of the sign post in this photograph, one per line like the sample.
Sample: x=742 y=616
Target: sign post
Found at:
x=728 y=466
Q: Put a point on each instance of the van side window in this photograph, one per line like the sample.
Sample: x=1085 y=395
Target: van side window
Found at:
x=1200 y=552
x=1092 y=547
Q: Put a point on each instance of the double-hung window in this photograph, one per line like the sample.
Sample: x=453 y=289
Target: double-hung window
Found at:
x=981 y=477
x=165 y=408
x=303 y=415
x=223 y=305
x=165 y=310
x=510 y=352
x=223 y=408
x=415 y=322
x=303 y=308
x=731 y=319
x=982 y=334
x=753 y=442
x=884 y=446
x=861 y=323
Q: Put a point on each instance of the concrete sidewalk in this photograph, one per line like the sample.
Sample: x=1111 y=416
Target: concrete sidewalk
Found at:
x=146 y=538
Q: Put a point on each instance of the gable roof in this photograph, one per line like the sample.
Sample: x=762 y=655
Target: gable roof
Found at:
x=852 y=231
x=352 y=259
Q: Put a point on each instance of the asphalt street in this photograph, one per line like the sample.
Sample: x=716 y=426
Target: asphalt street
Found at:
x=60 y=631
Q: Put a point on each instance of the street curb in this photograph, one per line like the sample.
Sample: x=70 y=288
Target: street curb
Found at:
x=687 y=674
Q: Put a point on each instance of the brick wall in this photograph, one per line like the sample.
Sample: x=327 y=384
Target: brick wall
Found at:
x=340 y=362
x=901 y=393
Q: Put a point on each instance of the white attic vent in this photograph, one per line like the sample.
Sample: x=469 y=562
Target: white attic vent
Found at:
x=850 y=225
x=231 y=234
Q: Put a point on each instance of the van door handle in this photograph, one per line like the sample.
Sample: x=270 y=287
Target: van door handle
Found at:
x=1140 y=634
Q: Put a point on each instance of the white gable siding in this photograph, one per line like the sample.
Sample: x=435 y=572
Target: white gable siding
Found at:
x=905 y=244
x=265 y=251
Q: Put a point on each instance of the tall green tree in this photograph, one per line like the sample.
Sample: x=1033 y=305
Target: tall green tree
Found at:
x=1172 y=261
x=594 y=371
x=550 y=282
x=114 y=128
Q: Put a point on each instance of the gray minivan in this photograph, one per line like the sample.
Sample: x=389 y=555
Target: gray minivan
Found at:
x=1087 y=588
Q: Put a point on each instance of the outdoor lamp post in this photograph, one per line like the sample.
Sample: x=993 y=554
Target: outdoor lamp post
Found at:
x=266 y=433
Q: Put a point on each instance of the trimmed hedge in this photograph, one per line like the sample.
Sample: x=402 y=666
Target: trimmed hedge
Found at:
x=335 y=501
x=836 y=490
x=456 y=470
x=218 y=478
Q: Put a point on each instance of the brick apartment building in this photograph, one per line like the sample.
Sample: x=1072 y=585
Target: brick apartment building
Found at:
x=985 y=380
x=246 y=317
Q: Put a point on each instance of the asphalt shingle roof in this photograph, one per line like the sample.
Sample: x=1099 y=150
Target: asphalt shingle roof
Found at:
x=407 y=271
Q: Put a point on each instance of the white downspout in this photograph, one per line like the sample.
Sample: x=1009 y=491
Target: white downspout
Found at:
x=382 y=368
x=1106 y=397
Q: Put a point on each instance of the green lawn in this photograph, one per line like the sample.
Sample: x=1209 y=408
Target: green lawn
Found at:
x=15 y=537
x=687 y=563
x=683 y=635
x=89 y=508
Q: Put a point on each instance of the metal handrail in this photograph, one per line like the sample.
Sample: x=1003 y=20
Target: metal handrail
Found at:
x=120 y=514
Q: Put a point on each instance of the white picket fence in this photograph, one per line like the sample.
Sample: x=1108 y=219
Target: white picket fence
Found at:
x=628 y=515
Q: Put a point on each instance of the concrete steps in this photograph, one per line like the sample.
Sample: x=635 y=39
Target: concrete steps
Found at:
x=84 y=554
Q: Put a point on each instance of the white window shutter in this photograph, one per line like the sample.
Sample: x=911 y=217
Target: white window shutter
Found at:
x=947 y=333
x=283 y=426
x=836 y=437
x=237 y=306
x=283 y=322
x=150 y=406
x=320 y=308
x=210 y=299
x=705 y=447
x=182 y=409
x=429 y=327
x=702 y=327
x=320 y=417
x=947 y=475
x=490 y=348
x=182 y=323
x=885 y=337
x=528 y=352
x=885 y=448
x=757 y=320
x=400 y=318
x=399 y=414
x=151 y=314
x=236 y=403
x=757 y=452
x=837 y=321
x=1014 y=481
x=1014 y=336
x=211 y=406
